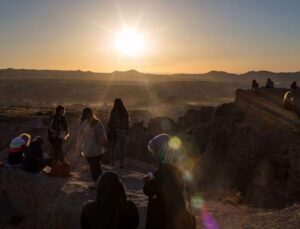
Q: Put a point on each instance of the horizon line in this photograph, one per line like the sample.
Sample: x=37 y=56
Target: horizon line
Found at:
x=153 y=73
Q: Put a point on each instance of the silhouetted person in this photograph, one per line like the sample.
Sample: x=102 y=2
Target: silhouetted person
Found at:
x=255 y=85
x=16 y=150
x=94 y=142
x=118 y=125
x=111 y=209
x=269 y=84
x=166 y=207
x=294 y=86
x=33 y=156
x=289 y=102
x=58 y=133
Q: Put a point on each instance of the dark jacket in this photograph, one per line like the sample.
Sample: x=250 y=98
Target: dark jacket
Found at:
x=166 y=207
x=56 y=127
x=127 y=217
x=33 y=159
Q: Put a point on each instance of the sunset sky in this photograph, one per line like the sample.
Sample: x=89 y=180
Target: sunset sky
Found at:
x=192 y=36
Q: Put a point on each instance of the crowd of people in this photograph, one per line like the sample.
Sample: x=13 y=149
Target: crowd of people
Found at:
x=111 y=207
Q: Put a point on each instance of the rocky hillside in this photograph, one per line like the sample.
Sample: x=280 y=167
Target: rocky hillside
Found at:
x=252 y=146
x=249 y=148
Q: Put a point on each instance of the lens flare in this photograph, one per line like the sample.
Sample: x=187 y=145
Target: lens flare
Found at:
x=175 y=143
x=205 y=217
x=188 y=176
x=208 y=220
x=197 y=201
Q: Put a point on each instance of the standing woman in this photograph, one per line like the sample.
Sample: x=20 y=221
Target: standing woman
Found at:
x=94 y=142
x=118 y=126
x=58 y=133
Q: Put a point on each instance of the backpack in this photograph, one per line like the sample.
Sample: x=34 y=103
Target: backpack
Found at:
x=60 y=169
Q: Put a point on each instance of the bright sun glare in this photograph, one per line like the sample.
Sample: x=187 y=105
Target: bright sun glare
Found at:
x=129 y=42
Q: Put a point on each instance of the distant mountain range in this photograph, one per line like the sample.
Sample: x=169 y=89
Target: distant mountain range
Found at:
x=280 y=78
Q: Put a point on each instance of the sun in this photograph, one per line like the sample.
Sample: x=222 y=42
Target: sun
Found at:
x=129 y=42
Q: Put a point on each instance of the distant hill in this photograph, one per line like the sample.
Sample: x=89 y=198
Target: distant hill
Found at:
x=22 y=86
x=281 y=78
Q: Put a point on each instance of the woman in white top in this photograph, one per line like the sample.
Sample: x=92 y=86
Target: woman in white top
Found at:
x=92 y=138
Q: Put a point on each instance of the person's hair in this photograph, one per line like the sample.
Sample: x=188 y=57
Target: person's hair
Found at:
x=88 y=115
x=119 y=108
x=26 y=138
x=58 y=109
x=110 y=199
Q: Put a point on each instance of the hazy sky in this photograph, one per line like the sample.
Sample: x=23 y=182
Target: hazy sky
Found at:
x=179 y=36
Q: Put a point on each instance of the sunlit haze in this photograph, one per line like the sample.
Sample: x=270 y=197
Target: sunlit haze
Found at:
x=169 y=36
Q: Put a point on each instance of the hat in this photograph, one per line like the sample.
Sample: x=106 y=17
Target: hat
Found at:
x=160 y=148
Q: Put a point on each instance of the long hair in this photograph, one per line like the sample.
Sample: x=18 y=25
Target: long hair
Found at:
x=88 y=115
x=119 y=109
x=110 y=200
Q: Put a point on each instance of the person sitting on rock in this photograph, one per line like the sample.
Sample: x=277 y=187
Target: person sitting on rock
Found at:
x=111 y=209
x=255 y=85
x=166 y=207
x=289 y=102
x=269 y=84
x=294 y=86
x=33 y=156
x=17 y=148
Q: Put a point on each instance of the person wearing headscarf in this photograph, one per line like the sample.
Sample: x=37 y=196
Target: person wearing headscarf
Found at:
x=164 y=188
x=111 y=209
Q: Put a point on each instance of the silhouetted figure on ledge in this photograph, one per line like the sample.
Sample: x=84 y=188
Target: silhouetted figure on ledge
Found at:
x=255 y=85
x=294 y=86
x=111 y=209
x=269 y=84
x=289 y=102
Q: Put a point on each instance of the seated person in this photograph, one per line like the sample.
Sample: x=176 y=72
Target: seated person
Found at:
x=255 y=85
x=294 y=86
x=289 y=102
x=166 y=206
x=33 y=156
x=17 y=148
x=111 y=209
x=269 y=84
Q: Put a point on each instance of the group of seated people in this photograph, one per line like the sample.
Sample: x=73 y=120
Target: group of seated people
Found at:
x=27 y=154
x=270 y=85
x=289 y=101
